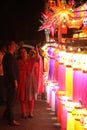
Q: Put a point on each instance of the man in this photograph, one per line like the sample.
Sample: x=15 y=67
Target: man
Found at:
x=2 y=87
x=11 y=75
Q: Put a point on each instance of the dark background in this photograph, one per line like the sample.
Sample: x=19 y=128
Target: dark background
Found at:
x=20 y=20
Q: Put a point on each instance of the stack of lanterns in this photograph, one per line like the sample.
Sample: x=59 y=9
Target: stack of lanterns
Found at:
x=84 y=79
x=68 y=74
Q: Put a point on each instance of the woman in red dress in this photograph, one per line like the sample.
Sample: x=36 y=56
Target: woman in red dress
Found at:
x=27 y=89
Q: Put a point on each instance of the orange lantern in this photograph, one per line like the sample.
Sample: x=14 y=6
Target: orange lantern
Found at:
x=74 y=23
x=84 y=29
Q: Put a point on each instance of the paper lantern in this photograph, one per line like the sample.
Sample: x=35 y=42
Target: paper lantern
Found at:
x=69 y=81
x=61 y=93
x=70 y=105
x=68 y=59
x=61 y=56
x=74 y=23
x=84 y=62
x=64 y=99
x=76 y=61
x=84 y=29
x=59 y=112
x=78 y=112
x=64 y=29
x=54 y=90
x=83 y=120
x=70 y=122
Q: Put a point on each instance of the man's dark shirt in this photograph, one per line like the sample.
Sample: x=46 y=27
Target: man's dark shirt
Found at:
x=10 y=67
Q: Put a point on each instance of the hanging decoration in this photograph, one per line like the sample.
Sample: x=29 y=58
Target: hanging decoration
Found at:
x=61 y=16
x=84 y=28
x=74 y=23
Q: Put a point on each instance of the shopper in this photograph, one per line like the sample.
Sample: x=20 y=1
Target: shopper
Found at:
x=27 y=89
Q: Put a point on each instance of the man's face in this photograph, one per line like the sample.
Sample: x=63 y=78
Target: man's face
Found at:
x=13 y=46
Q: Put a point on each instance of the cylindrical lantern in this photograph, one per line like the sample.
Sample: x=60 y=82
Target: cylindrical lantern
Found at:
x=48 y=87
x=60 y=93
x=70 y=105
x=78 y=113
x=84 y=62
x=84 y=79
x=46 y=64
x=50 y=53
x=68 y=75
x=70 y=122
x=61 y=71
x=83 y=120
x=77 y=77
x=54 y=90
x=64 y=118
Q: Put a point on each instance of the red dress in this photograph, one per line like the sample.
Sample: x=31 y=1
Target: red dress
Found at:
x=23 y=66
x=28 y=79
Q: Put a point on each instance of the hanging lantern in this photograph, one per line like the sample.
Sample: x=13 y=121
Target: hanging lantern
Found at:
x=84 y=29
x=64 y=29
x=51 y=3
x=74 y=23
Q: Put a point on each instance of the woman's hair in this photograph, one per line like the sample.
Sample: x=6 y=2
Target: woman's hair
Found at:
x=19 y=51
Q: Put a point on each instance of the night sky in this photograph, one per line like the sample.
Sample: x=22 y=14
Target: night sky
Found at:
x=21 y=20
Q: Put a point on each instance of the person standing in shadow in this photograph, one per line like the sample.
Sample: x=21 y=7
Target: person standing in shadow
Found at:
x=11 y=78
x=2 y=86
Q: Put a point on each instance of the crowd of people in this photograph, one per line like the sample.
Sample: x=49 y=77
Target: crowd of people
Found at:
x=21 y=76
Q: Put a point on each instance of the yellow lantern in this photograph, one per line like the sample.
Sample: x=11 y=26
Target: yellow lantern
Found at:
x=74 y=23
x=61 y=93
x=78 y=112
x=83 y=120
x=70 y=105
x=68 y=74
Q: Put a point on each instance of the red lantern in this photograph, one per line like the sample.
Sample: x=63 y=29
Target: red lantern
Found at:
x=84 y=29
x=64 y=29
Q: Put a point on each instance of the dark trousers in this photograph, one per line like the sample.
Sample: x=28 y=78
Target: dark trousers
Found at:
x=11 y=93
x=2 y=90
